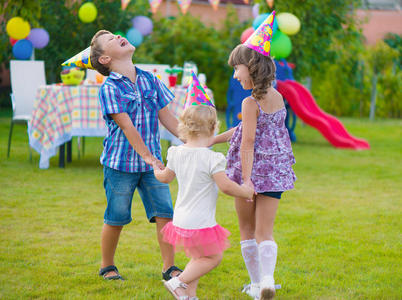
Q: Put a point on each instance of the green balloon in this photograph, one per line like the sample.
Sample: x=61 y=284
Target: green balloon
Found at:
x=120 y=33
x=281 y=45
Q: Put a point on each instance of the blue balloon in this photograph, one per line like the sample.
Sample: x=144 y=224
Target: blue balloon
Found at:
x=22 y=49
x=261 y=18
x=134 y=37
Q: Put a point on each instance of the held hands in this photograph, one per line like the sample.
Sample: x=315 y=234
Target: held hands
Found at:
x=248 y=186
x=154 y=162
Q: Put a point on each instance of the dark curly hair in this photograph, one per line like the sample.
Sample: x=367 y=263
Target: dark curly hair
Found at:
x=262 y=68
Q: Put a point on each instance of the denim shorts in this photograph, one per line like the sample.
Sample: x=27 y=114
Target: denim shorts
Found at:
x=276 y=195
x=120 y=187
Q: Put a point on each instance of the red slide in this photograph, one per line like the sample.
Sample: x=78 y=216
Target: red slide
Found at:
x=305 y=107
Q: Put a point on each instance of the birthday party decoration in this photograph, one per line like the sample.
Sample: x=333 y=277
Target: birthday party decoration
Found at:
x=22 y=49
x=38 y=37
x=81 y=60
x=134 y=37
x=18 y=28
x=184 y=5
x=246 y=34
x=215 y=4
x=196 y=94
x=288 y=23
x=87 y=12
x=245 y=1
x=281 y=45
x=154 y=5
x=13 y=41
x=124 y=4
x=256 y=10
x=260 y=40
x=270 y=3
x=143 y=24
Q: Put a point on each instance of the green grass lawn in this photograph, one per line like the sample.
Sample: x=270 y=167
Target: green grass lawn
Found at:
x=338 y=231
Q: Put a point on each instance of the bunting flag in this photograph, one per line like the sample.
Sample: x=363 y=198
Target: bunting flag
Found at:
x=270 y=3
x=81 y=60
x=154 y=5
x=124 y=4
x=196 y=94
x=260 y=40
x=215 y=4
x=184 y=5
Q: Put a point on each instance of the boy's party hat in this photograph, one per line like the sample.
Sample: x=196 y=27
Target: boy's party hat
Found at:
x=260 y=40
x=196 y=94
x=81 y=60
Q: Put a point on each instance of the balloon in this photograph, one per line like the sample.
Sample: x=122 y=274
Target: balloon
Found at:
x=120 y=33
x=288 y=23
x=142 y=24
x=246 y=34
x=261 y=18
x=87 y=12
x=38 y=37
x=18 y=28
x=134 y=37
x=281 y=45
x=22 y=49
x=255 y=10
x=13 y=41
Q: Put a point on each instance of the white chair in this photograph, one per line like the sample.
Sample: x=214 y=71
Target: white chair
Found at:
x=26 y=77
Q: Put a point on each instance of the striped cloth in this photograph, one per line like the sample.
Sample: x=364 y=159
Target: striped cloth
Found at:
x=141 y=101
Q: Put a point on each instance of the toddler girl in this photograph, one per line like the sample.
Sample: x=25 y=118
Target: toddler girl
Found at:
x=199 y=171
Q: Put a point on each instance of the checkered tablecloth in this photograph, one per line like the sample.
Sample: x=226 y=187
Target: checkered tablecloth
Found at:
x=61 y=112
x=176 y=107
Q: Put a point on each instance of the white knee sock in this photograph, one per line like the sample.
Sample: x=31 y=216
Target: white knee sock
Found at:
x=268 y=251
x=249 y=250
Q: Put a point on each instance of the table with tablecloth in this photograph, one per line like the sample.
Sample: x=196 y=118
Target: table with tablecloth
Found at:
x=61 y=112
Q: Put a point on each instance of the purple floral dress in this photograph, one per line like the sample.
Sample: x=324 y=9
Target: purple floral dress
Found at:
x=273 y=156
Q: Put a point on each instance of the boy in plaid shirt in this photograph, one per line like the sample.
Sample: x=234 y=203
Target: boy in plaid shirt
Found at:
x=132 y=101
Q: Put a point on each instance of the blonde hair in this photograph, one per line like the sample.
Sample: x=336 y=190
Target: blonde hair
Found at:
x=197 y=120
x=262 y=68
x=96 y=52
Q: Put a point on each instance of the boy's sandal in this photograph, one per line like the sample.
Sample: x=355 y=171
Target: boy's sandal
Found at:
x=104 y=271
x=167 y=275
x=174 y=284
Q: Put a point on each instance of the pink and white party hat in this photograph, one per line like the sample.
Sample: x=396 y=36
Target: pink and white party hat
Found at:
x=196 y=94
x=260 y=40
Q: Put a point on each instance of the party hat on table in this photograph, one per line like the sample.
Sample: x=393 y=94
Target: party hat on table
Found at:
x=154 y=5
x=260 y=40
x=81 y=60
x=124 y=4
x=196 y=94
x=214 y=3
x=184 y=5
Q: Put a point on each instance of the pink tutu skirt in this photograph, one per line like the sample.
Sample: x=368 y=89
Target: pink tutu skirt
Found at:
x=197 y=242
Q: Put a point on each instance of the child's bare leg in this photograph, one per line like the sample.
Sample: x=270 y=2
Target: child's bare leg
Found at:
x=109 y=240
x=167 y=251
x=246 y=216
x=196 y=268
x=265 y=217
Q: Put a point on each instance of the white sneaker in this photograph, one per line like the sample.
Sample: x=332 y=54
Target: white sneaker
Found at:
x=252 y=289
x=267 y=288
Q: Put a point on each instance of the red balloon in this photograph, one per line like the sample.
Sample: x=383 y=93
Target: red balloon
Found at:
x=246 y=34
x=13 y=41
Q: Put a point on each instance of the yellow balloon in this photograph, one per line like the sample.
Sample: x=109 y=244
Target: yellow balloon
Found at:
x=288 y=23
x=87 y=12
x=18 y=28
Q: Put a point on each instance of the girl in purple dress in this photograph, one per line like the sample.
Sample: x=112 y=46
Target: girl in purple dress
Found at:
x=260 y=155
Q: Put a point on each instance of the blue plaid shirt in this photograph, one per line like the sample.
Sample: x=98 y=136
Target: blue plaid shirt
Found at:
x=141 y=101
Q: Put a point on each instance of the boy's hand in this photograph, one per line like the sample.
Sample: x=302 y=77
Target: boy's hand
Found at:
x=158 y=165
